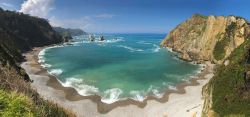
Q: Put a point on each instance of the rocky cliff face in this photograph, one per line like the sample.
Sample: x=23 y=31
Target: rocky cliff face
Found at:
x=220 y=40
x=211 y=38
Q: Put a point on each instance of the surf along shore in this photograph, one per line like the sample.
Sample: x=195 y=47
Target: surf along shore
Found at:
x=185 y=101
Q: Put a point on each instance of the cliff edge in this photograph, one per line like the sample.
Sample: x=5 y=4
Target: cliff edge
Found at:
x=226 y=42
x=207 y=38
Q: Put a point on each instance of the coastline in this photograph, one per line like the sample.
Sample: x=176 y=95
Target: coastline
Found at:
x=51 y=89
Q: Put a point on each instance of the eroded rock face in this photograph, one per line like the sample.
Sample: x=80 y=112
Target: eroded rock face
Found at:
x=196 y=38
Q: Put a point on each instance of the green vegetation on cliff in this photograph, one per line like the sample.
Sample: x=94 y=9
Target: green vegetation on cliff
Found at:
x=68 y=33
x=19 y=33
x=226 y=42
x=231 y=84
x=219 y=49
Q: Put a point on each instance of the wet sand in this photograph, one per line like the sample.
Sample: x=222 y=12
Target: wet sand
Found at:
x=184 y=102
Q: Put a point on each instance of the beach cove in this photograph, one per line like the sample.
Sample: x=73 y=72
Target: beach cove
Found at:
x=187 y=94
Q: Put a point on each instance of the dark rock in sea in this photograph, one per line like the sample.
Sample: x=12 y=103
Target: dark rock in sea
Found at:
x=92 y=38
x=102 y=38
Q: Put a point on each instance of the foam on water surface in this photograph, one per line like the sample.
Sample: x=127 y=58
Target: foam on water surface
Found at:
x=123 y=66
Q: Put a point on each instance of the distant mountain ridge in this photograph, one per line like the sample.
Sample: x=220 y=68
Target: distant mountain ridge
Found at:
x=68 y=33
x=72 y=32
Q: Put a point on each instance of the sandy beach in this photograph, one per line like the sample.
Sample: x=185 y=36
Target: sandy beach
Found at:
x=186 y=101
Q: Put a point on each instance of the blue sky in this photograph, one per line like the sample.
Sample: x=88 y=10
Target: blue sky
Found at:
x=125 y=16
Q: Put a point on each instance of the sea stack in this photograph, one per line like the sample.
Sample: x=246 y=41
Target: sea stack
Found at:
x=91 y=38
x=102 y=38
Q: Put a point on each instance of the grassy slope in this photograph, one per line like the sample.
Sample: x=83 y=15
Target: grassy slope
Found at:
x=13 y=104
x=20 y=33
x=230 y=95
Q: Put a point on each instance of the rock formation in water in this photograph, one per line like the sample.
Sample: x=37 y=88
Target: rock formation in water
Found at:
x=102 y=38
x=211 y=38
x=220 y=40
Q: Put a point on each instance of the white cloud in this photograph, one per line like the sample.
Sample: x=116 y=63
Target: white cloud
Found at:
x=82 y=23
x=40 y=8
x=105 y=15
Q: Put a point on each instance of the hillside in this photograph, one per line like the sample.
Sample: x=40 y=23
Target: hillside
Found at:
x=20 y=33
x=68 y=33
x=228 y=93
x=224 y=41
x=210 y=38
x=72 y=32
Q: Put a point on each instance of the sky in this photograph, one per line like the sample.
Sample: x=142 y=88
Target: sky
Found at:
x=125 y=16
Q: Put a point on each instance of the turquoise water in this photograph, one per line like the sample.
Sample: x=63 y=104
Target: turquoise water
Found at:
x=124 y=66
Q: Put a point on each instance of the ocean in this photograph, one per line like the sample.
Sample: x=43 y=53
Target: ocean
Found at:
x=123 y=66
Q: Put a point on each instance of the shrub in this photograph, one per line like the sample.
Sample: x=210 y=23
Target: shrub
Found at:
x=230 y=97
x=15 y=105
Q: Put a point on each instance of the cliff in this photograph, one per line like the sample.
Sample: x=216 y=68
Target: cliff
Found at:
x=68 y=33
x=220 y=40
x=211 y=38
x=228 y=92
x=19 y=33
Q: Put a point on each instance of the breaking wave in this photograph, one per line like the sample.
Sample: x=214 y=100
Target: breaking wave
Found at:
x=156 y=49
x=130 y=48
x=98 y=41
x=80 y=87
x=111 y=95
x=143 y=42
x=56 y=72
x=138 y=95
x=41 y=56
x=46 y=65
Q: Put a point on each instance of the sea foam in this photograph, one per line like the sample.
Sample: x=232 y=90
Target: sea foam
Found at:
x=111 y=95
x=46 y=65
x=156 y=49
x=143 y=42
x=41 y=56
x=138 y=95
x=56 y=72
x=79 y=85
x=130 y=48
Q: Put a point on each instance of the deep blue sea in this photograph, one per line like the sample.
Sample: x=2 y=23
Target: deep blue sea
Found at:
x=123 y=66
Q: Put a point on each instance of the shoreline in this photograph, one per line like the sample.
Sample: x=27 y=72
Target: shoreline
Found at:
x=59 y=94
